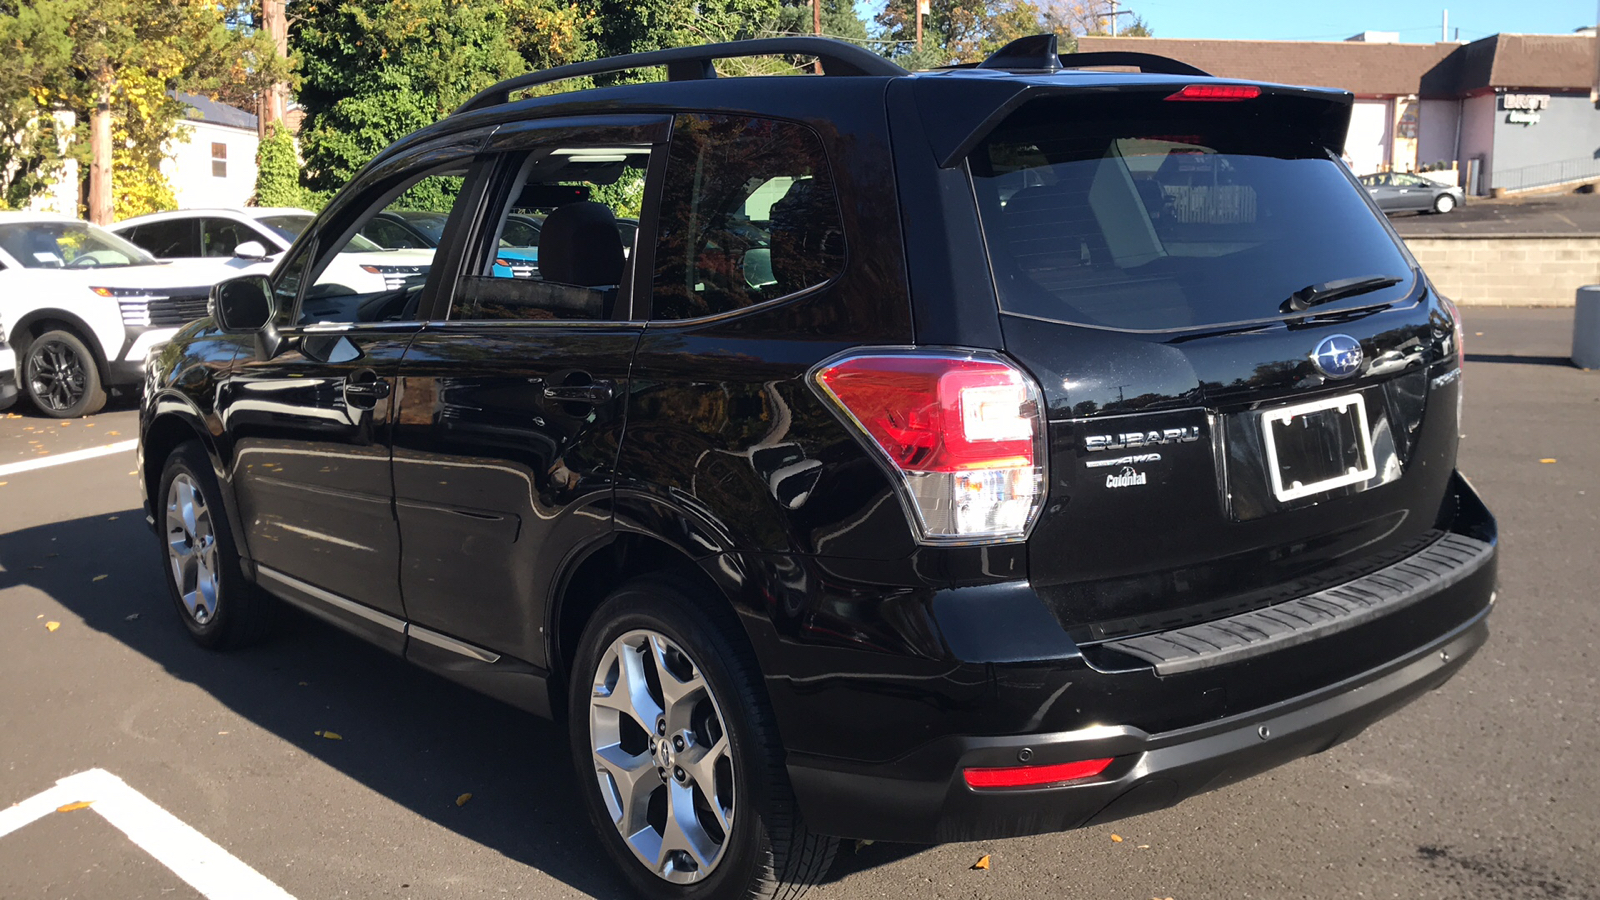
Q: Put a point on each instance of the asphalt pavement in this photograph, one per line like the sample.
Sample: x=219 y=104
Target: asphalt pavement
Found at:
x=1484 y=788
x=1553 y=215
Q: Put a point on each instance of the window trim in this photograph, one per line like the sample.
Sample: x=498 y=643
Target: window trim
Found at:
x=509 y=147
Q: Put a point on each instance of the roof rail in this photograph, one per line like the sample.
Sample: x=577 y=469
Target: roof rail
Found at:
x=690 y=63
x=1144 y=62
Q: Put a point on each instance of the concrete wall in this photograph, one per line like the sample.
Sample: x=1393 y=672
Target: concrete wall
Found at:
x=1536 y=270
x=190 y=171
x=1477 y=137
x=1569 y=128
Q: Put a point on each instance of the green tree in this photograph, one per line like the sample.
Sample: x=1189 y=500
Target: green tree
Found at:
x=278 y=170
x=957 y=31
x=37 y=68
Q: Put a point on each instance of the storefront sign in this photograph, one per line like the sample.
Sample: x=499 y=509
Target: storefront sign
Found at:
x=1522 y=117
x=1527 y=102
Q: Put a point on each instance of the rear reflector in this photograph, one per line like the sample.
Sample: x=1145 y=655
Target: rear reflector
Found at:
x=963 y=433
x=1217 y=92
x=1035 y=776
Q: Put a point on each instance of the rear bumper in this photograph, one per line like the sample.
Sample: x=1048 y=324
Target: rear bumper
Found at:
x=922 y=797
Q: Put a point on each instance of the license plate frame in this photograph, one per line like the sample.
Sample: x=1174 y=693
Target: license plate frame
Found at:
x=1353 y=409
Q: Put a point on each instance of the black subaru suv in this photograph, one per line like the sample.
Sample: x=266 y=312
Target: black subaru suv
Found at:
x=982 y=452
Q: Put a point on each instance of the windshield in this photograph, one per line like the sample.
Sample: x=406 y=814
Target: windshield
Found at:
x=290 y=225
x=77 y=245
x=1178 y=218
x=429 y=223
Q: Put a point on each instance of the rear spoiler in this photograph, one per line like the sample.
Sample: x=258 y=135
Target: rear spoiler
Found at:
x=960 y=110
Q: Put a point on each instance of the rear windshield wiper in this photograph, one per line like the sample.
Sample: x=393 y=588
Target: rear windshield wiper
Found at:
x=1315 y=294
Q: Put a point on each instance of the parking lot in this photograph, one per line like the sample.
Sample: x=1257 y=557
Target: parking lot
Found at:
x=1485 y=788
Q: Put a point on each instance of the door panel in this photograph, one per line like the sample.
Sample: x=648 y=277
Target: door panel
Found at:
x=504 y=447
x=311 y=459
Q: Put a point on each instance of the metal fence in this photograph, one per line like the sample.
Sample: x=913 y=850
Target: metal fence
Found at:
x=1525 y=178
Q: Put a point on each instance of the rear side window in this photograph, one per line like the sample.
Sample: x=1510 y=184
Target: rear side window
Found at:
x=1151 y=215
x=170 y=239
x=748 y=214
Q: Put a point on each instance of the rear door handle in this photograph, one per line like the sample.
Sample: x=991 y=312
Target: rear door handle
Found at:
x=593 y=392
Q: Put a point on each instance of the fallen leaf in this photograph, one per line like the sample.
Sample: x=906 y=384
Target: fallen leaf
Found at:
x=1117 y=838
x=81 y=804
x=130 y=617
x=52 y=626
x=330 y=735
x=862 y=845
x=101 y=577
x=113 y=433
x=111 y=519
x=222 y=732
x=982 y=863
x=1548 y=459
x=462 y=800
x=1143 y=847
x=39 y=616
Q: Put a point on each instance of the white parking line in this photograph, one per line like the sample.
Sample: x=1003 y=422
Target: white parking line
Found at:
x=207 y=868
x=64 y=458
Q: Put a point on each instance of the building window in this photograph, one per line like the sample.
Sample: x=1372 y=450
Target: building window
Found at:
x=219 y=160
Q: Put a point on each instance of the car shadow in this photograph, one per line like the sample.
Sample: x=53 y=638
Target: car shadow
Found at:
x=411 y=736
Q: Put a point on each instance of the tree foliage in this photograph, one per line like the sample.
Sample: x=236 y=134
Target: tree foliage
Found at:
x=278 y=170
x=957 y=31
x=128 y=55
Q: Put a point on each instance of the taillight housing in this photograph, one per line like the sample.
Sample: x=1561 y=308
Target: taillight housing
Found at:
x=1217 y=93
x=962 y=433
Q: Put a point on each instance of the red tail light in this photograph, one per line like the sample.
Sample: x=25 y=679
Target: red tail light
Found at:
x=1217 y=92
x=963 y=433
x=1035 y=776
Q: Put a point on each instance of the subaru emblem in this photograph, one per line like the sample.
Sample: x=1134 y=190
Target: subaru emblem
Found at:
x=1338 y=356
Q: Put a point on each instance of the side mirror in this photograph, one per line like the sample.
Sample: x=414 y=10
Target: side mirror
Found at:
x=251 y=250
x=242 y=305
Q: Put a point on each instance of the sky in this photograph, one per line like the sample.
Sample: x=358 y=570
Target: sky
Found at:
x=1332 y=20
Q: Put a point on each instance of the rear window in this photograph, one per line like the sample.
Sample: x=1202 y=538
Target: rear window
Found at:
x=1139 y=214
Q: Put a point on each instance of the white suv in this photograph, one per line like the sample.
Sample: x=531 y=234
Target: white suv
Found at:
x=8 y=370
x=248 y=241
x=82 y=308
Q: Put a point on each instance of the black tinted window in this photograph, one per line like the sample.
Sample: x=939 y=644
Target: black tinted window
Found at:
x=1182 y=217
x=748 y=214
x=171 y=239
x=219 y=237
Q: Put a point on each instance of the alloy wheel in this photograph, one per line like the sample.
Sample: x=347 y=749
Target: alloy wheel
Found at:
x=192 y=548
x=662 y=757
x=56 y=375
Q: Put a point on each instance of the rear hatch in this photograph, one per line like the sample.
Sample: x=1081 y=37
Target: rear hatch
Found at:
x=1251 y=389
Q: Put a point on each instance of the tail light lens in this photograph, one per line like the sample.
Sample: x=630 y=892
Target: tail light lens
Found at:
x=1034 y=776
x=961 y=432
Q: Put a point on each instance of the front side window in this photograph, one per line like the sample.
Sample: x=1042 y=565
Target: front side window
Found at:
x=219 y=237
x=560 y=238
x=748 y=214
x=1136 y=214
x=63 y=245
x=359 y=281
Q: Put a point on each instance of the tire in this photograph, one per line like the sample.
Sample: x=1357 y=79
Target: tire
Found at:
x=729 y=739
x=1444 y=203
x=221 y=610
x=61 y=376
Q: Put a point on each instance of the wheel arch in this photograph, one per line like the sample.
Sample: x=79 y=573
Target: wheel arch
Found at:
x=174 y=421
x=39 y=321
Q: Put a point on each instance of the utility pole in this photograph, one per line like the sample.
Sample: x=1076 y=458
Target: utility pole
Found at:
x=275 y=105
x=1114 y=13
x=816 y=29
x=923 y=8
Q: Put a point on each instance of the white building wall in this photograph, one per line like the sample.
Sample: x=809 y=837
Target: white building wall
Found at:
x=1477 y=138
x=190 y=169
x=1367 y=142
x=1436 y=131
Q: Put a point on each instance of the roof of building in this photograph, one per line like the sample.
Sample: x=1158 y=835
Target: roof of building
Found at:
x=1356 y=66
x=1535 y=61
x=207 y=110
